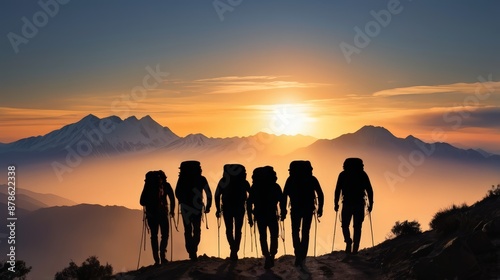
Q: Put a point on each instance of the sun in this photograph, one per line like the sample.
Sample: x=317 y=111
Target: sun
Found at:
x=290 y=119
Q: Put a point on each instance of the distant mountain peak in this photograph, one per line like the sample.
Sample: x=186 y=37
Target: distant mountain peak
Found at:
x=147 y=117
x=374 y=130
x=131 y=118
x=90 y=117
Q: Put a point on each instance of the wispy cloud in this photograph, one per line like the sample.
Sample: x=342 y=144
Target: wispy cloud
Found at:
x=238 y=84
x=467 y=88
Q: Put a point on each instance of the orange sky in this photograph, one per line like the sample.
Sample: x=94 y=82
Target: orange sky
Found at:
x=241 y=106
x=261 y=67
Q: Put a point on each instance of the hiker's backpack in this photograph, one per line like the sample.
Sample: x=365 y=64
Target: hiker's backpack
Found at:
x=299 y=185
x=265 y=191
x=300 y=168
x=234 y=186
x=190 y=181
x=353 y=164
x=153 y=194
x=355 y=181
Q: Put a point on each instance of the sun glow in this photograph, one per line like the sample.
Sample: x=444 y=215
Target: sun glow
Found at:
x=291 y=119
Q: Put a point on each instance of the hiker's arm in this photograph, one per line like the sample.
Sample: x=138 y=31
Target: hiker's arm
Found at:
x=142 y=200
x=178 y=191
x=208 y=193
x=321 y=197
x=338 y=190
x=249 y=207
x=217 y=196
x=369 y=192
x=171 y=197
x=284 y=200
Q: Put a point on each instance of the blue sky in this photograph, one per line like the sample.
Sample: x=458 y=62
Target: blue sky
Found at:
x=251 y=59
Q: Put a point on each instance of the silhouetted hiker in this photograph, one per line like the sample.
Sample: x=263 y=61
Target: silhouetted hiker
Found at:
x=264 y=196
x=303 y=189
x=189 y=192
x=154 y=198
x=353 y=183
x=233 y=188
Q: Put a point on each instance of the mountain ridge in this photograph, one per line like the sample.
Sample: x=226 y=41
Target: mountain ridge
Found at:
x=147 y=127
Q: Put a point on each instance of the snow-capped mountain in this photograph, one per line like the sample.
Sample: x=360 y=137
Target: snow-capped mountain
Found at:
x=94 y=136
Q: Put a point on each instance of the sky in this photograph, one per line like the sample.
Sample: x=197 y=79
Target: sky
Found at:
x=236 y=67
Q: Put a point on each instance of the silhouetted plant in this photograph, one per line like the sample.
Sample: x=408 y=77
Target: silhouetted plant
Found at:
x=406 y=228
x=494 y=192
x=20 y=270
x=91 y=268
x=449 y=219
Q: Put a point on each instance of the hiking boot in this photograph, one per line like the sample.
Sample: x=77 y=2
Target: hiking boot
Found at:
x=298 y=262
x=233 y=256
x=268 y=263
x=355 y=248
x=348 y=247
x=193 y=257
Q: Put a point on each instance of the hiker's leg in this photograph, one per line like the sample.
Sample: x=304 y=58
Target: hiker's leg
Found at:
x=358 y=218
x=296 y=219
x=262 y=226
x=306 y=228
x=238 y=225
x=153 y=227
x=228 y=221
x=164 y=229
x=274 y=232
x=346 y=216
x=188 y=233
x=196 y=232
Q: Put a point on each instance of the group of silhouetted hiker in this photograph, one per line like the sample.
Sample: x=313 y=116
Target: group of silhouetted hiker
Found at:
x=263 y=201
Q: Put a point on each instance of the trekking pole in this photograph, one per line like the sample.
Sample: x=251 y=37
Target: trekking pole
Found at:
x=245 y=235
x=172 y=221
x=255 y=236
x=334 y=229
x=282 y=225
x=251 y=239
x=178 y=217
x=206 y=219
x=218 y=236
x=371 y=227
x=143 y=231
x=315 y=231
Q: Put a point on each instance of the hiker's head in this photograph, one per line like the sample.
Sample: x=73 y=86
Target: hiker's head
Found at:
x=353 y=164
x=300 y=168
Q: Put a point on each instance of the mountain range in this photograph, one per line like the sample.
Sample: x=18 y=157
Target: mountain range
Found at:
x=95 y=137
x=104 y=162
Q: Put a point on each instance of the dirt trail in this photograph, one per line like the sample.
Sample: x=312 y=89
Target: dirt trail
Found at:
x=331 y=266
